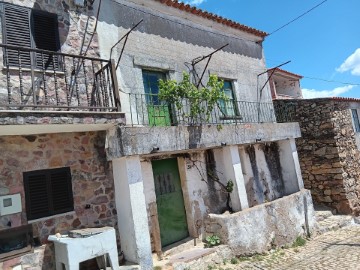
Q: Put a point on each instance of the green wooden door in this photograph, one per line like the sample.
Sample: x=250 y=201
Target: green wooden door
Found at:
x=158 y=111
x=170 y=201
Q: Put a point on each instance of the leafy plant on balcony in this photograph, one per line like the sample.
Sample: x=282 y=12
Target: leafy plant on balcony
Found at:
x=196 y=104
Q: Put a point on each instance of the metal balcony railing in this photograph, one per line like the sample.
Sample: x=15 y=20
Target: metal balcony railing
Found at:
x=149 y=110
x=41 y=80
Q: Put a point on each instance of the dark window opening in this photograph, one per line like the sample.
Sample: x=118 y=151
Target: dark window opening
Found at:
x=48 y=192
x=33 y=29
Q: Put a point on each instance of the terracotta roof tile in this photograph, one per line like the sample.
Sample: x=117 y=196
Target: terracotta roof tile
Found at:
x=332 y=98
x=213 y=17
x=289 y=73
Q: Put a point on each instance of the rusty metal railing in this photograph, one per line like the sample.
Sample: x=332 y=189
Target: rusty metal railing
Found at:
x=34 y=79
x=149 y=110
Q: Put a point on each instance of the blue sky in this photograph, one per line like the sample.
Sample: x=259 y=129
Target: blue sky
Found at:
x=324 y=44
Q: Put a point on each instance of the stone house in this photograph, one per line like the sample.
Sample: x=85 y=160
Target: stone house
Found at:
x=284 y=84
x=86 y=142
x=328 y=149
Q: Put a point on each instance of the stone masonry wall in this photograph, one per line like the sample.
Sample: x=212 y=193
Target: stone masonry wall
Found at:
x=328 y=154
x=349 y=155
x=91 y=177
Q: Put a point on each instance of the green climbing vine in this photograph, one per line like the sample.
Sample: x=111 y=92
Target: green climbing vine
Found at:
x=195 y=104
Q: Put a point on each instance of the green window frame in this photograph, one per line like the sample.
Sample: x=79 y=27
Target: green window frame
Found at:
x=151 y=85
x=228 y=108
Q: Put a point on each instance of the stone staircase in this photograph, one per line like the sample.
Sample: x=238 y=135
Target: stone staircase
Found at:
x=327 y=220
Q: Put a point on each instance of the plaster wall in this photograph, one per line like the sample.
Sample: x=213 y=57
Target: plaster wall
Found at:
x=132 y=215
x=260 y=228
x=290 y=168
x=285 y=86
x=263 y=179
x=166 y=43
x=123 y=141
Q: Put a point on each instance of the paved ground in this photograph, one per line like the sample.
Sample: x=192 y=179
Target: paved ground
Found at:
x=338 y=249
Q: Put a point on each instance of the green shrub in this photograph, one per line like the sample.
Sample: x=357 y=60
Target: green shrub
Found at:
x=212 y=241
x=299 y=242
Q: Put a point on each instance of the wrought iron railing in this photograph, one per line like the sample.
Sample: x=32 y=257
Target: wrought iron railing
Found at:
x=149 y=110
x=34 y=79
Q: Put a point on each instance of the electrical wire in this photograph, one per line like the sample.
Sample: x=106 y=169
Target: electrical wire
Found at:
x=298 y=17
x=331 y=81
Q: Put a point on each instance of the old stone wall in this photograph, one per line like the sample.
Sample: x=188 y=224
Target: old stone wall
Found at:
x=349 y=156
x=328 y=154
x=92 y=182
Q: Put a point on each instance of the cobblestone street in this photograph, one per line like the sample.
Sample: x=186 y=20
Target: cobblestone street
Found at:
x=338 y=249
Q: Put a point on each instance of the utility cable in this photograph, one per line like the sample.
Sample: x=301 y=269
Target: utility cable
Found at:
x=298 y=17
x=331 y=81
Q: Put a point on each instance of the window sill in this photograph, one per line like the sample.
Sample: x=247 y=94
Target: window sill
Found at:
x=35 y=70
x=49 y=217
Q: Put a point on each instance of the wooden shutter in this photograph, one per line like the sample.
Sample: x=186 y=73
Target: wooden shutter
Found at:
x=48 y=192
x=17 y=32
x=46 y=37
x=36 y=195
x=61 y=189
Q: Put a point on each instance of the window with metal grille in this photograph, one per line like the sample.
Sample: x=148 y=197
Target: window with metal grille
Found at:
x=48 y=192
x=356 y=122
x=30 y=28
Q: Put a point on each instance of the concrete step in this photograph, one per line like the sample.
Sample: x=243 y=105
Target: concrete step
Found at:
x=181 y=246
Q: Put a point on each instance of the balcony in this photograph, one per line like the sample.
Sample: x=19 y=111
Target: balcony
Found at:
x=49 y=92
x=149 y=110
x=39 y=80
x=231 y=123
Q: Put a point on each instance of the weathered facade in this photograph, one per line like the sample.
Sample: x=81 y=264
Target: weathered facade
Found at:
x=284 y=84
x=47 y=124
x=328 y=149
x=250 y=148
x=125 y=159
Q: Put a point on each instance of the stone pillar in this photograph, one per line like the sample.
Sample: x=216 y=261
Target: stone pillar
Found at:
x=131 y=211
x=290 y=166
x=232 y=170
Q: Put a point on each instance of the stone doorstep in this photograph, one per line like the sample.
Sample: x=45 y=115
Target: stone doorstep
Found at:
x=191 y=255
x=183 y=251
x=181 y=246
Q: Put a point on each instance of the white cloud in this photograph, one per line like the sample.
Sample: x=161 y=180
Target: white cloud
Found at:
x=195 y=2
x=352 y=64
x=312 y=93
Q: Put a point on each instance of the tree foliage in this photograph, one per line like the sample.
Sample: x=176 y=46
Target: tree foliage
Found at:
x=195 y=104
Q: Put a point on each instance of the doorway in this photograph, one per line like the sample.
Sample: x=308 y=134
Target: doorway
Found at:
x=170 y=201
